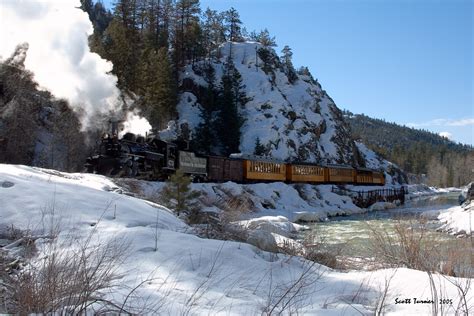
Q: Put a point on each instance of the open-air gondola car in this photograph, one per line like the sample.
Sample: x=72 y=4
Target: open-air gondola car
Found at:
x=341 y=174
x=306 y=173
x=263 y=170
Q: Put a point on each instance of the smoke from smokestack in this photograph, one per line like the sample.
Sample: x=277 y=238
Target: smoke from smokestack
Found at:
x=58 y=53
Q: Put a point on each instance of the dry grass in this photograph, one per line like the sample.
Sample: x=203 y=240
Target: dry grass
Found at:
x=413 y=245
x=68 y=280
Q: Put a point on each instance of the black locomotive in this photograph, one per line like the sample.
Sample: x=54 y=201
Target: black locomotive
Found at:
x=145 y=157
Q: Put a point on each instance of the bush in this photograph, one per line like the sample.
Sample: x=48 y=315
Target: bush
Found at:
x=68 y=278
x=413 y=245
x=177 y=195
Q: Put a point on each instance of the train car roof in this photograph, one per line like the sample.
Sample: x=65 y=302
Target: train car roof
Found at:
x=339 y=166
x=306 y=163
x=368 y=169
x=252 y=157
x=365 y=169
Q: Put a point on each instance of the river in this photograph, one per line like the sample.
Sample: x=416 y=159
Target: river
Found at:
x=351 y=237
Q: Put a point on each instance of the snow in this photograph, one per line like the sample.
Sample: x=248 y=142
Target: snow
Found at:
x=192 y=275
x=458 y=220
x=294 y=121
x=39 y=191
x=274 y=224
x=417 y=190
x=300 y=202
x=380 y=206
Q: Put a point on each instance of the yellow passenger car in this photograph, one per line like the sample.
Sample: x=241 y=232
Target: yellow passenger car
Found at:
x=378 y=178
x=306 y=173
x=365 y=176
x=264 y=170
x=341 y=174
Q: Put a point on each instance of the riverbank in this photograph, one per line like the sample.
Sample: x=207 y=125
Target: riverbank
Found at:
x=458 y=220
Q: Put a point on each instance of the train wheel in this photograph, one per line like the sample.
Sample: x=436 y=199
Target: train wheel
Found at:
x=130 y=169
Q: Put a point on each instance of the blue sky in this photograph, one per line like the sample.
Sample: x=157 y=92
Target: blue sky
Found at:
x=406 y=61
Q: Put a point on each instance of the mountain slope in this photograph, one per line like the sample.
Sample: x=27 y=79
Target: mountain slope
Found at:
x=293 y=121
x=416 y=151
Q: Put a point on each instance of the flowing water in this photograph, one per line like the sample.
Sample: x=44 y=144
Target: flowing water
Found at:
x=350 y=237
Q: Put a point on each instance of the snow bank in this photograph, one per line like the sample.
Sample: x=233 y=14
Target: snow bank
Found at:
x=380 y=206
x=274 y=224
x=458 y=220
x=32 y=193
x=191 y=275
x=295 y=202
x=417 y=190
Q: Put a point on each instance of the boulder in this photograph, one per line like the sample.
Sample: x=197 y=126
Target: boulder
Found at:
x=470 y=192
x=263 y=240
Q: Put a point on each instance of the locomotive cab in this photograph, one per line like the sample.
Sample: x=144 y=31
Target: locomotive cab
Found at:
x=169 y=152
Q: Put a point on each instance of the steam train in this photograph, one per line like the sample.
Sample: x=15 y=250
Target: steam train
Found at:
x=152 y=158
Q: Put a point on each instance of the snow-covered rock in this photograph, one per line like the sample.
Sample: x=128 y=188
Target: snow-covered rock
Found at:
x=458 y=220
x=380 y=206
x=263 y=240
x=274 y=224
x=293 y=121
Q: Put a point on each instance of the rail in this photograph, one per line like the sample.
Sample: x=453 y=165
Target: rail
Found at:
x=367 y=198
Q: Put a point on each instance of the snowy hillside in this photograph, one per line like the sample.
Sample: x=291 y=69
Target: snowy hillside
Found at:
x=294 y=121
x=187 y=274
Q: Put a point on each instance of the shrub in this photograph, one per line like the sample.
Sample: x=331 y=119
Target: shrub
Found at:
x=177 y=195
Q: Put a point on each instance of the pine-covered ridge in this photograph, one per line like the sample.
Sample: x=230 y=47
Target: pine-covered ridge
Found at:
x=444 y=162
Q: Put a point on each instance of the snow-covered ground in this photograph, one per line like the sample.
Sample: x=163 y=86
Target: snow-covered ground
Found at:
x=458 y=220
x=192 y=275
x=417 y=190
x=296 y=202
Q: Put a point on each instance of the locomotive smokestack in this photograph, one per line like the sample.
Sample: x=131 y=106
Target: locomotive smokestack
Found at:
x=114 y=126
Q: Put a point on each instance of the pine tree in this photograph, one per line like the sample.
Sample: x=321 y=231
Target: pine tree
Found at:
x=204 y=139
x=213 y=31
x=234 y=23
x=268 y=59
x=288 y=64
x=120 y=51
x=229 y=119
x=259 y=148
x=158 y=87
x=178 y=196
x=265 y=39
x=186 y=24
x=125 y=11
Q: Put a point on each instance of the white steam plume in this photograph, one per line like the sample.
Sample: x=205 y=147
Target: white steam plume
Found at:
x=135 y=124
x=59 y=56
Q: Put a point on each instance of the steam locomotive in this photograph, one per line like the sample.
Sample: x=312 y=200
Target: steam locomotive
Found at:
x=152 y=158
x=143 y=157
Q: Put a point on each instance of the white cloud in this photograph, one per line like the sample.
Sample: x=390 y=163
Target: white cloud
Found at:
x=447 y=135
x=59 y=55
x=444 y=122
